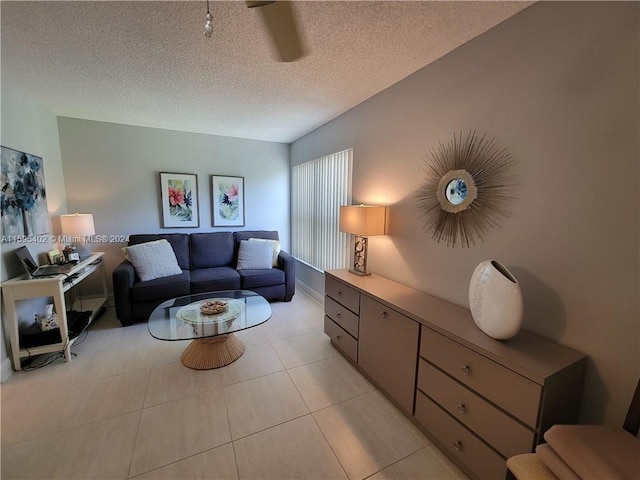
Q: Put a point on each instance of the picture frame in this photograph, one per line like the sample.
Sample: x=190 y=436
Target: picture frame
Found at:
x=227 y=202
x=55 y=256
x=23 y=201
x=179 y=198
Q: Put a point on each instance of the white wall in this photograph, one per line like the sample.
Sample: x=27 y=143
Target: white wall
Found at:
x=558 y=85
x=112 y=171
x=28 y=127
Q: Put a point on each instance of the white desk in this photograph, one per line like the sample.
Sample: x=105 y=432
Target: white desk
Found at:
x=21 y=288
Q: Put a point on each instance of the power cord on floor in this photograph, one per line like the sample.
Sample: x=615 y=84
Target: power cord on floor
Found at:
x=53 y=357
x=81 y=338
x=47 y=360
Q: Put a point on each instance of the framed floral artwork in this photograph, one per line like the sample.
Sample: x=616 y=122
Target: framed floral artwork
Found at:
x=179 y=196
x=228 y=201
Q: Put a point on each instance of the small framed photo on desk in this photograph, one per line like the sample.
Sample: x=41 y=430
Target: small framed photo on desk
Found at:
x=55 y=256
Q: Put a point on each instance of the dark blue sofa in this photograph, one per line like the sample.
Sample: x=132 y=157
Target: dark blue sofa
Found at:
x=208 y=262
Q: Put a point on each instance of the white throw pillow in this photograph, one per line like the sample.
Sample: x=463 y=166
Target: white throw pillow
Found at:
x=275 y=246
x=153 y=260
x=255 y=256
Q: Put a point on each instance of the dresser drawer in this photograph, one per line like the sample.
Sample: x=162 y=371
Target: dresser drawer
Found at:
x=341 y=339
x=458 y=442
x=343 y=294
x=502 y=432
x=507 y=389
x=341 y=315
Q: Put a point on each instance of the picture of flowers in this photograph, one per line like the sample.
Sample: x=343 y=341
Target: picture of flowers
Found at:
x=228 y=201
x=23 y=198
x=179 y=194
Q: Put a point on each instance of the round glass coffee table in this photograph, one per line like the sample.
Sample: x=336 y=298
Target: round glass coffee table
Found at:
x=214 y=345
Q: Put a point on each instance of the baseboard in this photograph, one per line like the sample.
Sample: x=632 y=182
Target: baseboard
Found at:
x=315 y=296
x=5 y=369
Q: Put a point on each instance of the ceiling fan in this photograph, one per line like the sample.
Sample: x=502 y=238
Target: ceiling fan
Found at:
x=281 y=26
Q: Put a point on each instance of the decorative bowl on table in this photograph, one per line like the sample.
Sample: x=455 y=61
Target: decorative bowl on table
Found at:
x=213 y=307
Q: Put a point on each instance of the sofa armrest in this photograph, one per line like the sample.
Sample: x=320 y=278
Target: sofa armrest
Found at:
x=287 y=263
x=124 y=277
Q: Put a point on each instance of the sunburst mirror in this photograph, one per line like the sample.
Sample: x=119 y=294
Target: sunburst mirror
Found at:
x=465 y=189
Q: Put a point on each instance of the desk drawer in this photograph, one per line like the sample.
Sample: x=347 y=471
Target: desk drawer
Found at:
x=343 y=294
x=458 y=442
x=510 y=391
x=341 y=339
x=502 y=432
x=341 y=315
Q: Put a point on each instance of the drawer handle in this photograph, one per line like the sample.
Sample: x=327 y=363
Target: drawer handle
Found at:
x=338 y=337
x=466 y=370
x=462 y=408
x=338 y=315
x=339 y=293
x=458 y=445
x=383 y=315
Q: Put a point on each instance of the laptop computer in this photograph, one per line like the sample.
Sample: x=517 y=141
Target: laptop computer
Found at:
x=34 y=270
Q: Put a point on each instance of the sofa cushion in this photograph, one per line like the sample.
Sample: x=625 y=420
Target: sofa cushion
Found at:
x=275 y=246
x=212 y=279
x=260 y=278
x=247 y=234
x=272 y=292
x=162 y=288
x=254 y=256
x=153 y=260
x=179 y=242
x=213 y=249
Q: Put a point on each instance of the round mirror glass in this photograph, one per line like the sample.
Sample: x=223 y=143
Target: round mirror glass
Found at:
x=456 y=191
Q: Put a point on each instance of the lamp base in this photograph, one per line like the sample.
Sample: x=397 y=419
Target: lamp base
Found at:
x=360 y=256
x=359 y=273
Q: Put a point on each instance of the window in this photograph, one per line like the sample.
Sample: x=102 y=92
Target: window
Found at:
x=318 y=189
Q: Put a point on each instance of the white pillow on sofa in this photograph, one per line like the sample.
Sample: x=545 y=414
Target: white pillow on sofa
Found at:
x=255 y=256
x=275 y=246
x=153 y=260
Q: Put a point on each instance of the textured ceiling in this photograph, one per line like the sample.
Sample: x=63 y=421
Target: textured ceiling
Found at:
x=149 y=64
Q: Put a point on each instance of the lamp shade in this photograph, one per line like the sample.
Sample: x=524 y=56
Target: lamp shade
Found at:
x=77 y=225
x=362 y=220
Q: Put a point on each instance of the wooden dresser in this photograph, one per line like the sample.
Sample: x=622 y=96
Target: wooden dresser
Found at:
x=480 y=400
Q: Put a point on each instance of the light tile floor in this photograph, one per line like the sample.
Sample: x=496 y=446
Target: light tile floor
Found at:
x=290 y=408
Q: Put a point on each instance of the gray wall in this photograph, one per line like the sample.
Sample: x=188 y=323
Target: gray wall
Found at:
x=112 y=171
x=28 y=127
x=558 y=85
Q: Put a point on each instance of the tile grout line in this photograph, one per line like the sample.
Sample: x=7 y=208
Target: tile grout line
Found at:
x=135 y=443
x=318 y=426
x=233 y=447
x=67 y=428
x=346 y=475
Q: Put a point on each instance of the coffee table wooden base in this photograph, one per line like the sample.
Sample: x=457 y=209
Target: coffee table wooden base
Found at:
x=214 y=352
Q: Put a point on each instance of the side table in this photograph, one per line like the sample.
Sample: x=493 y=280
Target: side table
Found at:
x=21 y=288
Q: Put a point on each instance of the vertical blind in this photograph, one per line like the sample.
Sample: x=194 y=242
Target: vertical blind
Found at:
x=318 y=189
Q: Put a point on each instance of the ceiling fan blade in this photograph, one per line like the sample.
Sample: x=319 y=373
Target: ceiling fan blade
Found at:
x=278 y=17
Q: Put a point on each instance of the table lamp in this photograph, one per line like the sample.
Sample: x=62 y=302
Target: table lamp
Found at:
x=76 y=226
x=362 y=221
